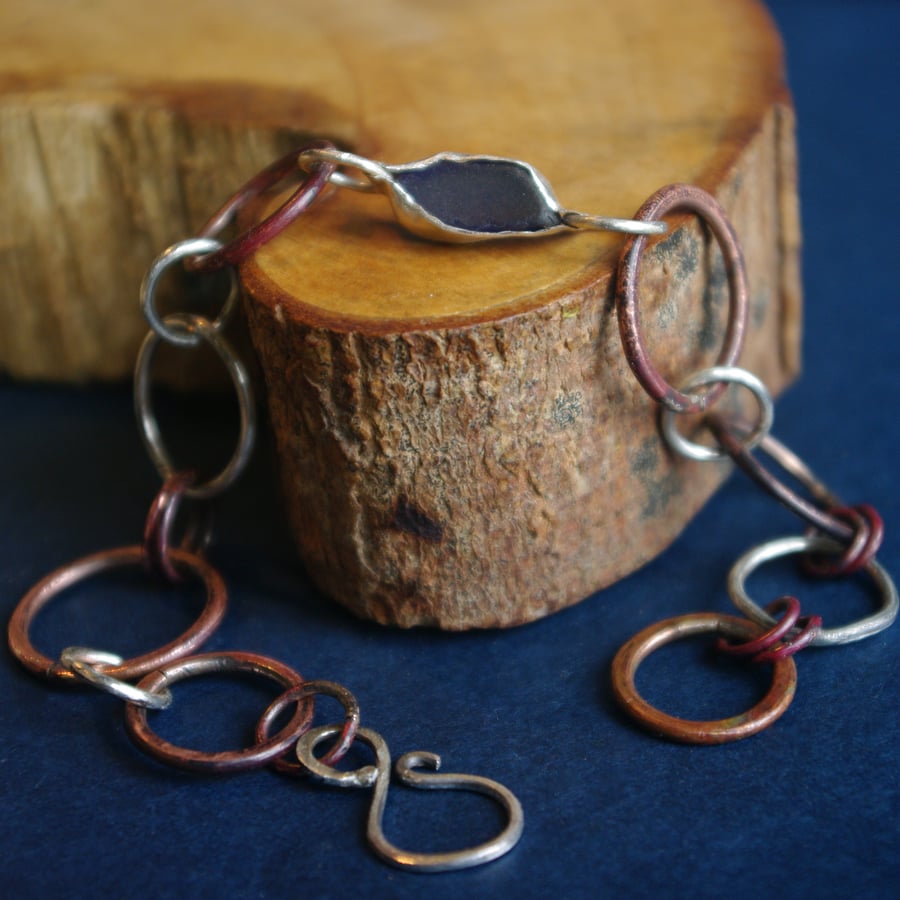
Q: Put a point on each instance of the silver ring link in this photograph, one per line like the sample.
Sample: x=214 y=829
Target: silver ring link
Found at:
x=787 y=546
x=163 y=327
x=149 y=428
x=373 y=172
x=88 y=664
x=713 y=375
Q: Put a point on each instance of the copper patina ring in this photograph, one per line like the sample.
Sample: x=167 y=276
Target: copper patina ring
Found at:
x=225 y=662
x=300 y=692
x=71 y=573
x=718 y=731
x=672 y=198
x=253 y=238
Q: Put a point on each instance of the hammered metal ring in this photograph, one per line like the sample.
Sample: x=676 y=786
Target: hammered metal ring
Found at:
x=300 y=692
x=814 y=510
x=672 y=198
x=717 y=731
x=149 y=427
x=788 y=546
x=226 y=662
x=253 y=238
x=72 y=573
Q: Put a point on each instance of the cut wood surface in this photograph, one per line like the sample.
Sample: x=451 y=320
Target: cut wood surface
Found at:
x=461 y=441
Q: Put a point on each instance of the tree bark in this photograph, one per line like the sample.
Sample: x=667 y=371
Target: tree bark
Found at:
x=461 y=441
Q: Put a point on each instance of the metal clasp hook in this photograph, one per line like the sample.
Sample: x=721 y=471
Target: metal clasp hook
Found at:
x=379 y=776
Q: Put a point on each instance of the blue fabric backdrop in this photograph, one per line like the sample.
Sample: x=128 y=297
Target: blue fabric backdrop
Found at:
x=810 y=808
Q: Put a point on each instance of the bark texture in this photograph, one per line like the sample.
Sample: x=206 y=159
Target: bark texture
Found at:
x=491 y=473
x=461 y=442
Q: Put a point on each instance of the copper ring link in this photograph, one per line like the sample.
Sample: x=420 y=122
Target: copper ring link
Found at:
x=789 y=606
x=159 y=525
x=72 y=573
x=680 y=197
x=149 y=427
x=718 y=731
x=260 y=754
x=787 y=546
x=254 y=237
x=818 y=517
x=778 y=642
x=859 y=527
x=809 y=627
x=299 y=692
x=867 y=537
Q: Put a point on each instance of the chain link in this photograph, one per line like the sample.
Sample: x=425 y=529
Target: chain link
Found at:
x=173 y=662
x=149 y=427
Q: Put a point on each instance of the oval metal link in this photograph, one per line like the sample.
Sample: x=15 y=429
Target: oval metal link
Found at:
x=159 y=527
x=150 y=428
x=163 y=326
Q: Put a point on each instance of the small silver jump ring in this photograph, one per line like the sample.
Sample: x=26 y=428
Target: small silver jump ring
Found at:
x=187 y=249
x=84 y=662
x=716 y=375
x=787 y=546
x=149 y=427
x=374 y=172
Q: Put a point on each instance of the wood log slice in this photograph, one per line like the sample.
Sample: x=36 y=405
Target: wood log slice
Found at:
x=461 y=441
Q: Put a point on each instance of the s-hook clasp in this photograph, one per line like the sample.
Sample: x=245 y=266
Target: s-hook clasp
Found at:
x=379 y=776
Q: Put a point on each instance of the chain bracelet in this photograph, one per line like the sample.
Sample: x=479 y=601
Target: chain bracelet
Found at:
x=519 y=203
x=846 y=538
x=177 y=660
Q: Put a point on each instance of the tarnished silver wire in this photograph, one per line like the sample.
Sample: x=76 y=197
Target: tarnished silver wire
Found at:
x=787 y=546
x=379 y=777
x=717 y=375
x=419 y=213
x=88 y=664
x=149 y=427
x=187 y=249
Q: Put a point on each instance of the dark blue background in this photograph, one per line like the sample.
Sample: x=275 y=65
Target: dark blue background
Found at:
x=810 y=808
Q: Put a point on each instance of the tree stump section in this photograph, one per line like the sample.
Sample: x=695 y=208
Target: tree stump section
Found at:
x=461 y=441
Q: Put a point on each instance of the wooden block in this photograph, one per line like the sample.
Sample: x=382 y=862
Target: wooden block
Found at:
x=461 y=441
